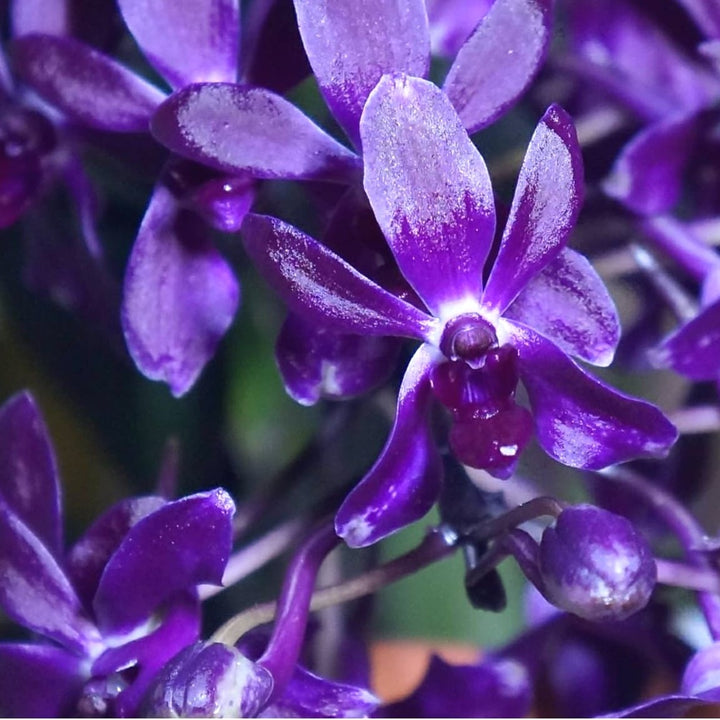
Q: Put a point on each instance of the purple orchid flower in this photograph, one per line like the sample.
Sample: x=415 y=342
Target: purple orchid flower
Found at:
x=432 y=197
x=116 y=606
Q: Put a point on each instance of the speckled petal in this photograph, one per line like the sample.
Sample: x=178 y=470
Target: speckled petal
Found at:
x=546 y=204
x=29 y=481
x=580 y=421
x=405 y=481
x=569 y=304
x=180 y=295
x=351 y=48
x=86 y=85
x=183 y=544
x=245 y=130
x=499 y=60
x=320 y=286
x=694 y=349
x=647 y=175
x=430 y=191
x=188 y=41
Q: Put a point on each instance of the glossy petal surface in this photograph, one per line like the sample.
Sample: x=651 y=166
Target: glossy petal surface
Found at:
x=183 y=544
x=180 y=295
x=569 y=304
x=499 y=60
x=28 y=470
x=430 y=190
x=187 y=41
x=322 y=287
x=245 y=130
x=86 y=85
x=580 y=421
x=351 y=48
x=405 y=481
x=546 y=204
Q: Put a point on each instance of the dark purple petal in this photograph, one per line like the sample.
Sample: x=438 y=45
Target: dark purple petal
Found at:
x=694 y=349
x=452 y=22
x=546 y=204
x=405 y=480
x=188 y=41
x=430 y=191
x=350 y=51
x=180 y=295
x=222 y=202
x=647 y=175
x=492 y=688
x=318 y=363
x=35 y=592
x=245 y=130
x=580 y=421
x=86 y=85
x=84 y=197
x=183 y=544
x=498 y=62
x=51 y=17
x=87 y=558
x=321 y=286
x=39 y=681
x=28 y=471
x=569 y=304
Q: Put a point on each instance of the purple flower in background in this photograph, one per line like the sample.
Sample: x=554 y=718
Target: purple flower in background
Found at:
x=432 y=197
x=113 y=608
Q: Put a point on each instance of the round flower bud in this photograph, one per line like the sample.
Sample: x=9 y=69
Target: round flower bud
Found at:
x=703 y=672
x=596 y=565
x=209 y=680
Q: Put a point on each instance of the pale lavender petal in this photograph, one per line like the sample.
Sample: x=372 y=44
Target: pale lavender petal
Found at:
x=430 y=190
x=246 y=130
x=495 y=66
x=569 y=304
x=183 y=544
x=405 y=481
x=319 y=285
x=180 y=295
x=647 y=175
x=580 y=421
x=547 y=202
x=87 y=559
x=28 y=470
x=51 y=17
x=188 y=41
x=86 y=85
x=452 y=22
x=350 y=48
x=35 y=592
x=39 y=681
x=694 y=349
x=318 y=363
x=706 y=15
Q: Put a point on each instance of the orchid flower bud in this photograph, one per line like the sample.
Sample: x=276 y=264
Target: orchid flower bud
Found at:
x=596 y=565
x=209 y=680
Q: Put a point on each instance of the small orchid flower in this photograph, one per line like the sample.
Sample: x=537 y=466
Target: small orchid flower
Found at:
x=432 y=197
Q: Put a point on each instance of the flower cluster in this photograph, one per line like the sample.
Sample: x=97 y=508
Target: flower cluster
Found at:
x=441 y=213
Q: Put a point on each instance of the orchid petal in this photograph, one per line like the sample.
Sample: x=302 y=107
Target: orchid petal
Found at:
x=452 y=22
x=580 y=421
x=86 y=85
x=706 y=15
x=350 y=51
x=404 y=482
x=319 y=285
x=500 y=59
x=318 y=363
x=694 y=349
x=547 y=202
x=35 y=592
x=180 y=295
x=39 y=681
x=187 y=41
x=429 y=188
x=569 y=304
x=182 y=544
x=40 y=16
x=28 y=470
x=647 y=175
x=244 y=130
